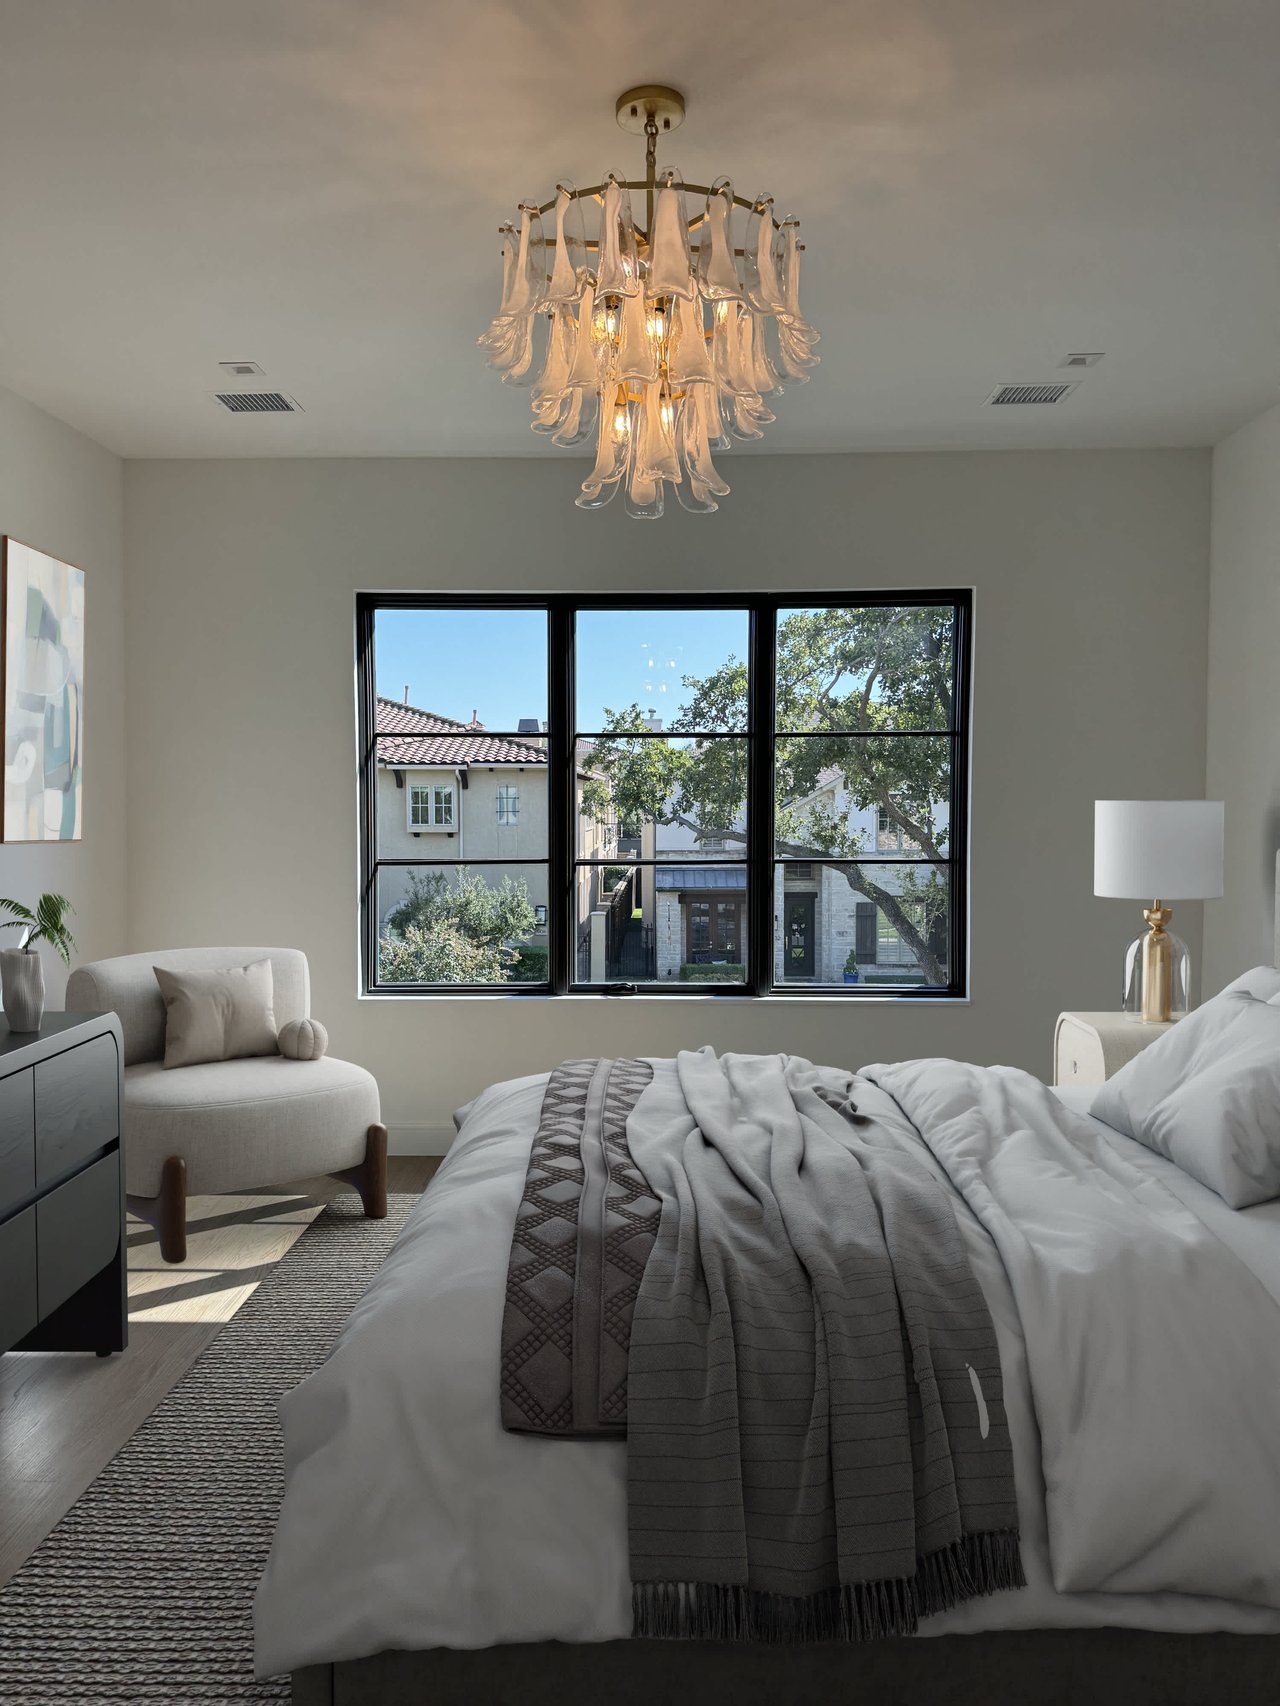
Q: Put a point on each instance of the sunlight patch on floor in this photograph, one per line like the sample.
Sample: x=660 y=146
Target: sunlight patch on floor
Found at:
x=232 y=1243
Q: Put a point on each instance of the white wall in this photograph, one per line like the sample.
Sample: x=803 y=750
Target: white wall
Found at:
x=241 y=747
x=1244 y=694
x=64 y=494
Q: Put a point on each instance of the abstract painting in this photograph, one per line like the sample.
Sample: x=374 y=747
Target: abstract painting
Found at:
x=42 y=691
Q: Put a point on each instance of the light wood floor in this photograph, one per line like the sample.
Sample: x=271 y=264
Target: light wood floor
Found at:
x=63 y=1417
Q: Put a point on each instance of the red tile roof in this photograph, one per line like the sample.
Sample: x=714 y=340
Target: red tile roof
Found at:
x=407 y=735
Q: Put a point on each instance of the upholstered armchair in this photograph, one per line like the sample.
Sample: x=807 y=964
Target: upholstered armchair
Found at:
x=231 y=1125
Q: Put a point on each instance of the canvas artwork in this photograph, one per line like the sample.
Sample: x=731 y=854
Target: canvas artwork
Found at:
x=42 y=683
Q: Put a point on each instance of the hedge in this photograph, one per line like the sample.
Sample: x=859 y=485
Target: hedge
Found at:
x=713 y=974
x=530 y=966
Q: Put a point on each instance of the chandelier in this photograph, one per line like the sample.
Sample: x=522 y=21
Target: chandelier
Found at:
x=660 y=340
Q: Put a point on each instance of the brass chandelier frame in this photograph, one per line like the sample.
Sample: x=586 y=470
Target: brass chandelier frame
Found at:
x=654 y=100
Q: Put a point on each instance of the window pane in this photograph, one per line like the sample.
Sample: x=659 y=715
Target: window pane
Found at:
x=662 y=799
x=861 y=796
x=870 y=667
x=662 y=923
x=442 y=924
x=682 y=669
x=872 y=925
x=429 y=812
x=461 y=667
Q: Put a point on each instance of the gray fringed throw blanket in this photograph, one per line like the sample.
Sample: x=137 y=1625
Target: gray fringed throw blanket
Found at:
x=816 y=1442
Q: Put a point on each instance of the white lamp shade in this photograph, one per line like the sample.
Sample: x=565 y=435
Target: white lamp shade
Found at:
x=1157 y=849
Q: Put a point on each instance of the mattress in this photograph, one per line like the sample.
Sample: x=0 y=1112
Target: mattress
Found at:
x=412 y=1520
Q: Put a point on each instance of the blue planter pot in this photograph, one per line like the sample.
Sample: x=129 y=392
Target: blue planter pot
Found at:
x=851 y=977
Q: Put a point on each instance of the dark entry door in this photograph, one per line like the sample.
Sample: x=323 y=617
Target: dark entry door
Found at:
x=798 y=960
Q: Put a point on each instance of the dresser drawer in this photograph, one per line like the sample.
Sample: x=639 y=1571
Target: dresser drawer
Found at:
x=17 y=1137
x=77 y=1231
x=17 y=1277
x=77 y=1106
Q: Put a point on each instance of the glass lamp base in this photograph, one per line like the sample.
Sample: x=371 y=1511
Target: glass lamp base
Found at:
x=1133 y=977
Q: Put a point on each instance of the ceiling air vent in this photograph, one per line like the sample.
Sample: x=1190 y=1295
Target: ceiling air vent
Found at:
x=1031 y=393
x=257 y=402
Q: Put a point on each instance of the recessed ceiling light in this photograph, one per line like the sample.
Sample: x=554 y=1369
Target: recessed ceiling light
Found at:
x=1082 y=358
x=241 y=369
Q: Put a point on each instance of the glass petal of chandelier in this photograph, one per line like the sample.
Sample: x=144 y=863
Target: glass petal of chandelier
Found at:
x=660 y=341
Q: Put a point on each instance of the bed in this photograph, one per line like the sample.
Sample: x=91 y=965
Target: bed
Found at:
x=425 y=1554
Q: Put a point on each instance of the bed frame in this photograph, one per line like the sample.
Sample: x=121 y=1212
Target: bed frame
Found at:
x=1037 y=1667
x=1040 y=1667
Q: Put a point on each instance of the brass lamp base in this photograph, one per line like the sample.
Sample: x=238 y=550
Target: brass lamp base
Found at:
x=1157 y=967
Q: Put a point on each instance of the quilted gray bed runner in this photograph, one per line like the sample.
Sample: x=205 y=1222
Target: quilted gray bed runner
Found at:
x=768 y=1293
x=583 y=1232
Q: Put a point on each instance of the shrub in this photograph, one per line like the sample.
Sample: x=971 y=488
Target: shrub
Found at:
x=530 y=965
x=713 y=974
x=440 y=954
x=455 y=932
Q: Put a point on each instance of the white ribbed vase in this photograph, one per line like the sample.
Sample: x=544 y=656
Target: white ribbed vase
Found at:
x=22 y=982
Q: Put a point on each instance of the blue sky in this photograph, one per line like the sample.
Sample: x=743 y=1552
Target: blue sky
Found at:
x=494 y=661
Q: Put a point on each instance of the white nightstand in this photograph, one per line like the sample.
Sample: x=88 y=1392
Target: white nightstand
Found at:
x=1089 y=1047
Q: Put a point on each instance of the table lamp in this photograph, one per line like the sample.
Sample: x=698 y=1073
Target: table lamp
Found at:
x=1171 y=850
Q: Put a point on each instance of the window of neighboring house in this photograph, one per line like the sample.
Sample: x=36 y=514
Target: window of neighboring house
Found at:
x=763 y=715
x=431 y=805
x=890 y=835
x=891 y=949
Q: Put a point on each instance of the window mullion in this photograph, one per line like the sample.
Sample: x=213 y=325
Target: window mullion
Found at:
x=760 y=695
x=560 y=800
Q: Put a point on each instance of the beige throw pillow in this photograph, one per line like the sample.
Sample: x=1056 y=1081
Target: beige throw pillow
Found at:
x=217 y=1015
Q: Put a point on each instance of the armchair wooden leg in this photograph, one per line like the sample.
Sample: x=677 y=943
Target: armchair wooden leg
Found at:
x=172 y=1225
x=370 y=1177
x=373 y=1186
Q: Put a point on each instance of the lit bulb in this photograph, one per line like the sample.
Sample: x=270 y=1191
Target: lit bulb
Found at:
x=621 y=419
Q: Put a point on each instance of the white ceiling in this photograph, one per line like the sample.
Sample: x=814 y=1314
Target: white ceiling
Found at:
x=315 y=185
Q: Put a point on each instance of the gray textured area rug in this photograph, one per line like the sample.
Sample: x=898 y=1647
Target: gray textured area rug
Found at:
x=144 y=1590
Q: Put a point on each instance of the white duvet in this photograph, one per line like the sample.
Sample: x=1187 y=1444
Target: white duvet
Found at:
x=1139 y=1328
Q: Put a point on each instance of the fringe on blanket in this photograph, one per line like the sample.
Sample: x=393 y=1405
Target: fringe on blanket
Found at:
x=976 y=1565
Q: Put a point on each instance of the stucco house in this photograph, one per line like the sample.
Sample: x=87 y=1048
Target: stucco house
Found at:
x=452 y=791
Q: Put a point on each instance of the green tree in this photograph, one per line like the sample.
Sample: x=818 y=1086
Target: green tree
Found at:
x=455 y=931
x=839 y=672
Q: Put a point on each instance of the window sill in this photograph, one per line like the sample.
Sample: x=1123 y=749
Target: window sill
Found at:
x=791 y=998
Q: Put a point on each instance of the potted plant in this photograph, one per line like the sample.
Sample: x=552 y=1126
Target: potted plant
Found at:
x=851 y=966
x=21 y=973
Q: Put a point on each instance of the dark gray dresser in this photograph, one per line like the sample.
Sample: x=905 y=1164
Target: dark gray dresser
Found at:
x=63 y=1256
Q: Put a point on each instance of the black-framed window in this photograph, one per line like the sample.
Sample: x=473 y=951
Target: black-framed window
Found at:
x=750 y=794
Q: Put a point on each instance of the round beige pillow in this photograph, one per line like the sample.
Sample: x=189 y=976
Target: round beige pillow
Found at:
x=303 y=1039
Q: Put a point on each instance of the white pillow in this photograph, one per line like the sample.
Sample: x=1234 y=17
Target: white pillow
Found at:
x=217 y=1015
x=1207 y=1093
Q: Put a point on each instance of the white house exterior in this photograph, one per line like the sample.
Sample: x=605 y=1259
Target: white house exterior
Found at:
x=699 y=910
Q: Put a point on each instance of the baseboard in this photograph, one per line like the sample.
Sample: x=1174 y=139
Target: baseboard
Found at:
x=419 y=1139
